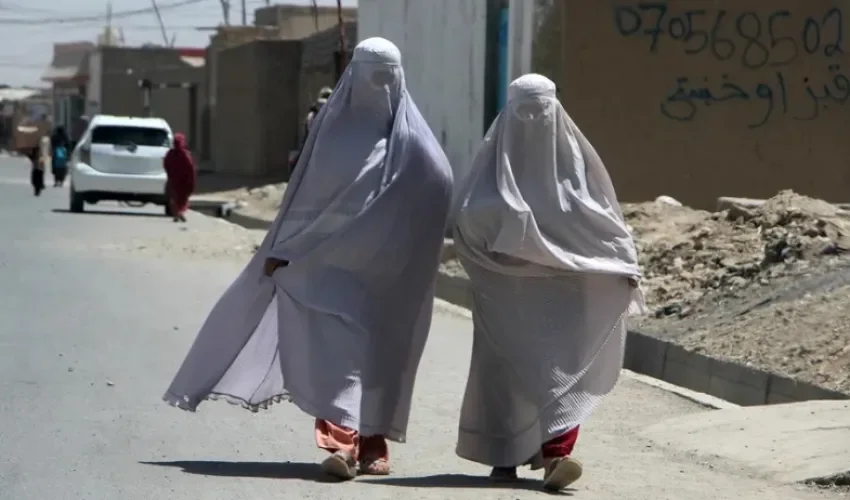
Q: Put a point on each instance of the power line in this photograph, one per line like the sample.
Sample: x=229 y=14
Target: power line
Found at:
x=20 y=65
x=98 y=17
x=14 y=7
x=92 y=25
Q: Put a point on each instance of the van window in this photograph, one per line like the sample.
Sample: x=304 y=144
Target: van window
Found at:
x=139 y=136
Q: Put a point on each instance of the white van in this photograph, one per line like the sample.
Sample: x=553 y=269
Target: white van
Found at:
x=119 y=158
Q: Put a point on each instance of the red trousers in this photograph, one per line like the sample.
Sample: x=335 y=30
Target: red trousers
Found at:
x=561 y=446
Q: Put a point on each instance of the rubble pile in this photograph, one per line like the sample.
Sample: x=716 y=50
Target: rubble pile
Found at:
x=686 y=253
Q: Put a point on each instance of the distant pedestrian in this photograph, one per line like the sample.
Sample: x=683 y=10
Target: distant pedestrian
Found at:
x=324 y=94
x=554 y=273
x=36 y=171
x=60 y=146
x=334 y=310
x=180 y=171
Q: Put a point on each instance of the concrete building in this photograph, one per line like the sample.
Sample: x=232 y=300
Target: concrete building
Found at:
x=295 y=22
x=25 y=115
x=321 y=64
x=262 y=82
x=225 y=37
x=256 y=119
x=68 y=75
x=177 y=75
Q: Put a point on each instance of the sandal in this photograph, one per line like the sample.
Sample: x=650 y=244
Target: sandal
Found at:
x=340 y=465
x=561 y=472
x=376 y=467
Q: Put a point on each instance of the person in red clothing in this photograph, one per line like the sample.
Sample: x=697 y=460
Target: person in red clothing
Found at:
x=180 y=169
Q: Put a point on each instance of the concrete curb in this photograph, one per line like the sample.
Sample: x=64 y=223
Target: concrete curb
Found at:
x=247 y=221
x=663 y=360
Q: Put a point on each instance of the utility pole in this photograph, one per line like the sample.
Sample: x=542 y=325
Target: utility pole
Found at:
x=225 y=11
x=315 y=8
x=161 y=24
x=107 y=38
x=244 y=14
x=343 y=50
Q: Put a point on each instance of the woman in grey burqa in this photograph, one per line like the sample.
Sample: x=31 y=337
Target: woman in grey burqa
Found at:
x=333 y=311
x=554 y=273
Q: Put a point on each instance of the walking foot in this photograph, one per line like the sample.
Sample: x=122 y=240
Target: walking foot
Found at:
x=376 y=467
x=340 y=465
x=561 y=472
x=503 y=474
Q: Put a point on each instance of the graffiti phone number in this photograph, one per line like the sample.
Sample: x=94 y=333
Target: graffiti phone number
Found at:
x=774 y=38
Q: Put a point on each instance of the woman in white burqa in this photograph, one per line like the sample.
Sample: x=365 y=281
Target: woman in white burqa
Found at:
x=333 y=311
x=554 y=272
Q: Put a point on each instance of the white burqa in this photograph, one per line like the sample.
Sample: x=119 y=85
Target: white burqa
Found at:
x=542 y=237
x=340 y=331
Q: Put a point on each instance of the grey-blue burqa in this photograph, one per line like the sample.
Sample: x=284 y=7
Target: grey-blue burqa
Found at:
x=339 y=331
x=554 y=273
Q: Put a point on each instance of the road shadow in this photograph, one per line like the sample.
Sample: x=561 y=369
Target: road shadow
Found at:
x=109 y=212
x=263 y=470
x=463 y=481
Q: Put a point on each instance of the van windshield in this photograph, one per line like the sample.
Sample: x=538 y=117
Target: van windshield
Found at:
x=139 y=136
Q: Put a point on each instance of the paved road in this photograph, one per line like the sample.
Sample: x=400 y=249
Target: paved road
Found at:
x=91 y=335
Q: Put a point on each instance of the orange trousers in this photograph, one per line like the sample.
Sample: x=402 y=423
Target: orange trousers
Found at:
x=332 y=437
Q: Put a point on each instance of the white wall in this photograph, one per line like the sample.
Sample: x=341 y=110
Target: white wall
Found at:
x=521 y=25
x=443 y=52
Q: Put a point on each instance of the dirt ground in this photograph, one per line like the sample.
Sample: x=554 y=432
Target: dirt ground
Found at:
x=260 y=202
x=768 y=286
x=221 y=240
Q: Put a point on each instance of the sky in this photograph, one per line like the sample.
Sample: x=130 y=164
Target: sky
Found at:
x=29 y=28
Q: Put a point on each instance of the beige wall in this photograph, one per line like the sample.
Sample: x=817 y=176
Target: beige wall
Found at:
x=120 y=94
x=318 y=65
x=696 y=112
x=225 y=37
x=235 y=142
x=256 y=120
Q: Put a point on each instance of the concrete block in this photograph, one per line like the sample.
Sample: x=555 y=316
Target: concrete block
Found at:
x=737 y=383
x=645 y=354
x=783 y=389
x=727 y=202
x=248 y=221
x=687 y=369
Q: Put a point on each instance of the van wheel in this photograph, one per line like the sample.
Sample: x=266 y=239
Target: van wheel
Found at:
x=168 y=210
x=77 y=203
